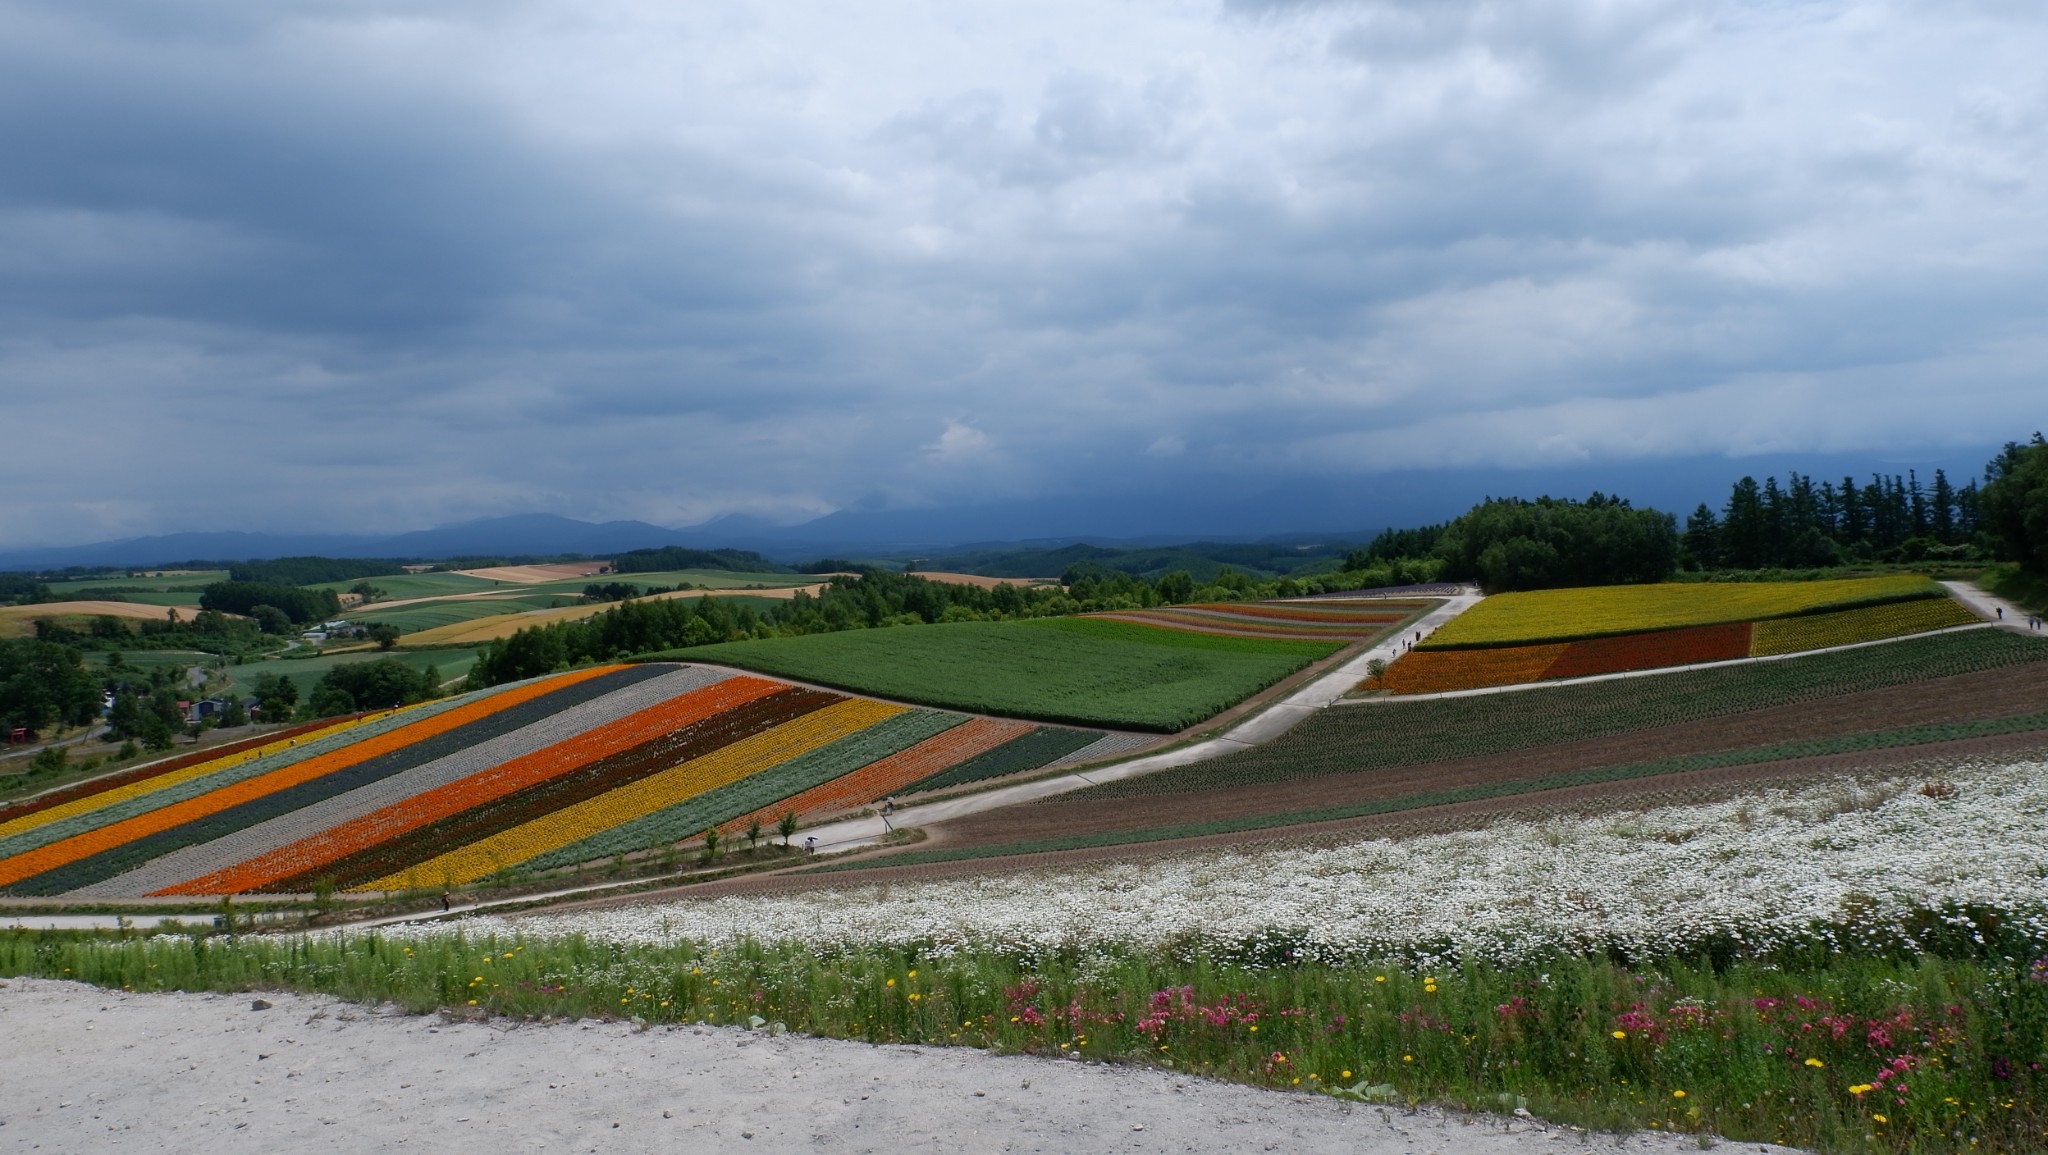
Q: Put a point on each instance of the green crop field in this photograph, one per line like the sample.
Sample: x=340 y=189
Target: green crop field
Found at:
x=447 y=611
x=304 y=672
x=416 y=585
x=185 y=599
x=120 y=581
x=1349 y=739
x=1085 y=671
x=1537 y=616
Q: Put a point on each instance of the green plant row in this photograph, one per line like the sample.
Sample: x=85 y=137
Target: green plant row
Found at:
x=1785 y=1046
x=1384 y=734
x=1024 y=752
x=695 y=815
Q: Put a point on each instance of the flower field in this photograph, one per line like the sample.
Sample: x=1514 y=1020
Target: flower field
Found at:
x=543 y=774
x=1400 y=732
x=1568 y=615
x=1461 y=663
x=1334 y=618
x=1765 y=867
x=1844 y=627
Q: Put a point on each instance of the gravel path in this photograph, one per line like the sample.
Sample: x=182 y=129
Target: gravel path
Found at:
x=90 y=1069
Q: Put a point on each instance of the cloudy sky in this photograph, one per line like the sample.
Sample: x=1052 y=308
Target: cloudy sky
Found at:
x=373 y=265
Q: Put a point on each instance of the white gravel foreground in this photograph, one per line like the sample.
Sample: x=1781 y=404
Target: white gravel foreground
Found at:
x=86 y=1069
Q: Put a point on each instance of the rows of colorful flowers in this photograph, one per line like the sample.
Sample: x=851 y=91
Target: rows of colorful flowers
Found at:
x=1432 y=670
x=545 y=773
x=311 y=837
x=1869 y=624
x=1758 y=868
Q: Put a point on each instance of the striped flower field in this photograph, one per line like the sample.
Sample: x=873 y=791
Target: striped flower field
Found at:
x=547 y=773
x=1435 y=668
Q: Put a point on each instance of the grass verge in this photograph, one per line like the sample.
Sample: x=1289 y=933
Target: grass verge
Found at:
x=1932 y=1039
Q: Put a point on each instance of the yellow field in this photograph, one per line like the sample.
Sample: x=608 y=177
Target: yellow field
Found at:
x=19 y=620
x=504 y=626
x=1869 y=624
x=532 y=574
x=1602 y=611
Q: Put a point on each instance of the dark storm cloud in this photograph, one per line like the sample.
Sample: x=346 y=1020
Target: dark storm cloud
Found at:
x=384 y=265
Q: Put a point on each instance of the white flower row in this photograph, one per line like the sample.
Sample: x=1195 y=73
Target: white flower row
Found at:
x=285 y=829
x=1760 y=868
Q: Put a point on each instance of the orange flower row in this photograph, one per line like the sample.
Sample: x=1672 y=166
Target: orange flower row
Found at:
x=1435 y=671
x=107 y=837
x=484 y=786
x=885 y=777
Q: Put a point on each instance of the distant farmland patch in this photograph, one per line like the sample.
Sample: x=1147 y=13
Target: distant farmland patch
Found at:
x=528 y=574
x=16 y=621
x=504 y=625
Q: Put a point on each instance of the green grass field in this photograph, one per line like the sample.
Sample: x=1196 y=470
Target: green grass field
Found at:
x=427 y=615
x=1520 y=619
x=1083 y=671
x=304 y=672
x=1352 y=739
x=118 y=580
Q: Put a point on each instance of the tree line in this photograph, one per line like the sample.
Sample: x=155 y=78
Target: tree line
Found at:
x=1804 y=524
x=289 y=605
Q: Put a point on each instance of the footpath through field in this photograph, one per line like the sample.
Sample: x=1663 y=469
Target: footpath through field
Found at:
x=1264 y=726
x=1992 y=608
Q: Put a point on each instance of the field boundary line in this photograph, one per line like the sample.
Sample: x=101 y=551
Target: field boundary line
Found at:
x=1651 y=673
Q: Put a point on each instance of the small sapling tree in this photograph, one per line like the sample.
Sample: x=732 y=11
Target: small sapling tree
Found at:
x=786 y=826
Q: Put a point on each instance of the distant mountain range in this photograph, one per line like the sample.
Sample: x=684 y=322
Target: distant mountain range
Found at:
x=1286 y=512
x=864 y=535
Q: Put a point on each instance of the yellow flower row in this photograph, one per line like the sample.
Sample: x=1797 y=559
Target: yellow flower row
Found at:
x=572 y=823
x=1599 y=611
x=93 y=802
x=1817 y=631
